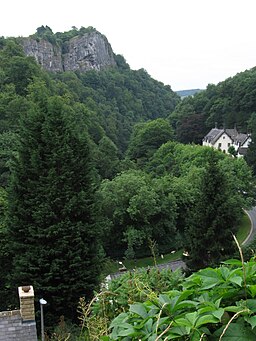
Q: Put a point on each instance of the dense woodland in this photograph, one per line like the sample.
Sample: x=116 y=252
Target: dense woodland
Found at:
x=98 y=165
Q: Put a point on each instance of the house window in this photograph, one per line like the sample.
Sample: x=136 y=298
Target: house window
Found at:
x=228 y=144
x=223 y=137
x=219 y=146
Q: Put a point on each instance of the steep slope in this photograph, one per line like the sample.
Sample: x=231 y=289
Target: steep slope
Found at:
x=83 y=52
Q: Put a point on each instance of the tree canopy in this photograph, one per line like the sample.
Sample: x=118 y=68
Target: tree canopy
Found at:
x=90 y=166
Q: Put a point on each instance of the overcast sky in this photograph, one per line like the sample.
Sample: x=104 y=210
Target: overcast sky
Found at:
x=184 y=43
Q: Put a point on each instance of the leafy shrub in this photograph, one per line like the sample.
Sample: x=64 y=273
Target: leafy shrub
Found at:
x=212 y=304
x=118 y=294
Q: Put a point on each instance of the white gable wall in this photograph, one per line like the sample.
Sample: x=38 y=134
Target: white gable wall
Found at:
x=223 y=143
x=247 y=142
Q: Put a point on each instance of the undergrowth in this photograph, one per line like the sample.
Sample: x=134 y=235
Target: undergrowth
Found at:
x=211 y=304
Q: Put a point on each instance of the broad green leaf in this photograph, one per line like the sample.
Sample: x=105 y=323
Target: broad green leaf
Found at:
x=139 y=309
x=209 y=283
x=192 y=317
x=119 y=319
x=178 y=331
x=218 y=313
x=233 y=309
x=183 y=322
x=195 y=336
x=148 y=325
x=236 y=262
x=204 y=310
x=206 y=319
x=224 y=272
x=210 y=278
x=251 y=304
x=252 y=290
x=236 y=279
x=161 y=321
x=129 y=331
x=236 y=332
x=165 y=299
x=185 y=304
x=251 y=320
x=209 y=272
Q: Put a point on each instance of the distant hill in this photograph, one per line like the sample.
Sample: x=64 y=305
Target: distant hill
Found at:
x=231 y=102
x=190 y=92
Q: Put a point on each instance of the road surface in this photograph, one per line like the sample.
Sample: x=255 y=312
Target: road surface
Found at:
x=252 y=215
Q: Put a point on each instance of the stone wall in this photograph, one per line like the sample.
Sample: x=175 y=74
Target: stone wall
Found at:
x=20 y=325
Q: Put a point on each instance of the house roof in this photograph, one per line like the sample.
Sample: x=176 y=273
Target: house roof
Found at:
x=216 y=133
x=233 y=133
x=213 y=135
x=241 y=138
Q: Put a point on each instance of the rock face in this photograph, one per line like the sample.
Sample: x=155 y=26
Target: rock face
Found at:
x=88 y=52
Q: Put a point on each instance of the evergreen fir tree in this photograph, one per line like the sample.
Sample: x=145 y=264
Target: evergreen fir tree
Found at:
x=208 y=236
x=52 y=235
x=250 y=157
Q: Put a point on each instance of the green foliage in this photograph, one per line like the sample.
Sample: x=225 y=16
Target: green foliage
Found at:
x=232 y=151
x=211 y=304
x=123 y=97
x=231 y=102
x=250 y=156
x=67 y=117
x=212 y=218
x=5 y=253
x=119 y=293
x=53 y=240
x=209 y=188
x=136 y=208
x=147 y=138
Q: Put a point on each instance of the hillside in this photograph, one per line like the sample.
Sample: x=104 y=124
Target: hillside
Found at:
x=80 y=65
x=189 y=92
x=229 y=103
x=91 y=170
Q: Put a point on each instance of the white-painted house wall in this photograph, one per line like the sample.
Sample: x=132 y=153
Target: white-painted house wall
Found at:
x=223 y=143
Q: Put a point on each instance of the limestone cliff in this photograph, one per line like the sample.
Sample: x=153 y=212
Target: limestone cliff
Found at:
x=91 y=51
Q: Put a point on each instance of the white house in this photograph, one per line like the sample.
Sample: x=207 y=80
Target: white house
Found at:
x=222 y=139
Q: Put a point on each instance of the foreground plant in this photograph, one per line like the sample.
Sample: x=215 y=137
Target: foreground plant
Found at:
x=117 y=296
x=212 y=304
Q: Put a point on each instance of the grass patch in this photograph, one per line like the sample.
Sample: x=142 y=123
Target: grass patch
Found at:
x=149 y=261
x=111 y=266
x=243 y=228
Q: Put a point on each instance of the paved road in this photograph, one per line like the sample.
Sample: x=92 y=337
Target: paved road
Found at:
x=252 y=215
x=173 y=265
x=180 y=264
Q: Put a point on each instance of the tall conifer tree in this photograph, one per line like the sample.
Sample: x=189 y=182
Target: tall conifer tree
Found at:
x=54 y=241
x=208 y=236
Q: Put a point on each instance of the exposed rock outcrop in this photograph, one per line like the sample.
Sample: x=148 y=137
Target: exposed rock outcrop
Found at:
x=90 y=51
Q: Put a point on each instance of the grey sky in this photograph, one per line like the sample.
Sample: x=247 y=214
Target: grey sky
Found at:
x=186 y=44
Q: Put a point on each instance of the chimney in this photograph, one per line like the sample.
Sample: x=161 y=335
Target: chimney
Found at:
x=27 y=308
